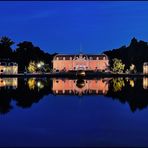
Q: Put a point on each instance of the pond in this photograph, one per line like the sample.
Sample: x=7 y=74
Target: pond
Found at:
x=74 y=112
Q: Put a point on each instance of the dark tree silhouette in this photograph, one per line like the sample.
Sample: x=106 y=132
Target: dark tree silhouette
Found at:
x=5 y=48
x=136 y=53
x=5 y=41
x=26 y=52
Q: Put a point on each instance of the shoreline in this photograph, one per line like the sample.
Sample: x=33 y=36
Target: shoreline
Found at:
x=73 y=74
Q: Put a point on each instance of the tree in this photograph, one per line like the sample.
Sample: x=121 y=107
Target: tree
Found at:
x=5 y=48
x=32 y=67
x=26 y=52
x=136 y=53
x=5 y=41
x=118 y=66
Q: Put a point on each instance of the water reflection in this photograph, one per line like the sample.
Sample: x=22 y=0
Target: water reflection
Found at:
x=145 y=83
x=80 y=86
x=8 y=83
x=33 y=83
x=131 y=91
x=26 y=92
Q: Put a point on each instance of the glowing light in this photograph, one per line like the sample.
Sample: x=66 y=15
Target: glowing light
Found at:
x=40 y=85
x=39 y=65
x=131 y=83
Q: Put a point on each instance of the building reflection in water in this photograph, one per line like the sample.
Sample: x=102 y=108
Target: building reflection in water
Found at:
x=9 y=83
x=145 y=83
x=80 y=87
x=28 y=91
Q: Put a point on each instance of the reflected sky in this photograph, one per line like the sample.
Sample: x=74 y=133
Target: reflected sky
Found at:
x=73 y=120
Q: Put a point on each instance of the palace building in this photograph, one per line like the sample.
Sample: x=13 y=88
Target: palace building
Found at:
x=65 y=62
x=8 y=67
x=145 y=68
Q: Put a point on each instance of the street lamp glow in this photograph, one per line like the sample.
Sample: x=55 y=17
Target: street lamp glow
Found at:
x=39 y=65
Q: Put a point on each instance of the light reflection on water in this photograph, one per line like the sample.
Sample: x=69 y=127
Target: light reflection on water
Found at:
x=130 y=90
x=63 y=112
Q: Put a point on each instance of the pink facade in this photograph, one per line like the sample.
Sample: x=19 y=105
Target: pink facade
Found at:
x=81 y=62
x=88 y=86
x=145 y=68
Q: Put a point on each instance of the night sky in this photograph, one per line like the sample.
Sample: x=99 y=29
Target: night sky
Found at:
x=65 y=27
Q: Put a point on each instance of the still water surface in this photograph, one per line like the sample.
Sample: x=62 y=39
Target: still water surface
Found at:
x=63 y=112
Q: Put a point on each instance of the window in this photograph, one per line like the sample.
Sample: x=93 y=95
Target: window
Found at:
x=63 y=58
x=70 y=58
x=57 y=58
x=11 y=64
x=101 y=58
x=90 y=58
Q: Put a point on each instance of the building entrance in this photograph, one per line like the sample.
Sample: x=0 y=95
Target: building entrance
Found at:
x=80 y=67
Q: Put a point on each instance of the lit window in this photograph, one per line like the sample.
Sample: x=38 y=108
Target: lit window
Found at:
x=63 y=58
x=57 y=58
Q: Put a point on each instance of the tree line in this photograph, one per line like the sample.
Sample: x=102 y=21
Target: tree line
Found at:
x=131 y=57
x=124 y=59
x=24 y=53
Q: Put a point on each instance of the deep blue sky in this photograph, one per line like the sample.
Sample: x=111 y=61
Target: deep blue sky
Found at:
x=63 y=26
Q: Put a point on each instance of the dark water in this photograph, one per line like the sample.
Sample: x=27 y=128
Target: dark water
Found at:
x=62 y=112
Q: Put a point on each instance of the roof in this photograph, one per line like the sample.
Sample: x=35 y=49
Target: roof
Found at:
x=7 y=62
x=73 y=56
x=145 y=63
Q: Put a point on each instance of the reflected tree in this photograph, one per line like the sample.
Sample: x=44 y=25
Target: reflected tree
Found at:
x=118 y=84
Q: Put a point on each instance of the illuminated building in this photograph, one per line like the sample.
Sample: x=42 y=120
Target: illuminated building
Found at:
x=80 y=62
x=7 y=67
x=80 y=87
x=145 y=68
